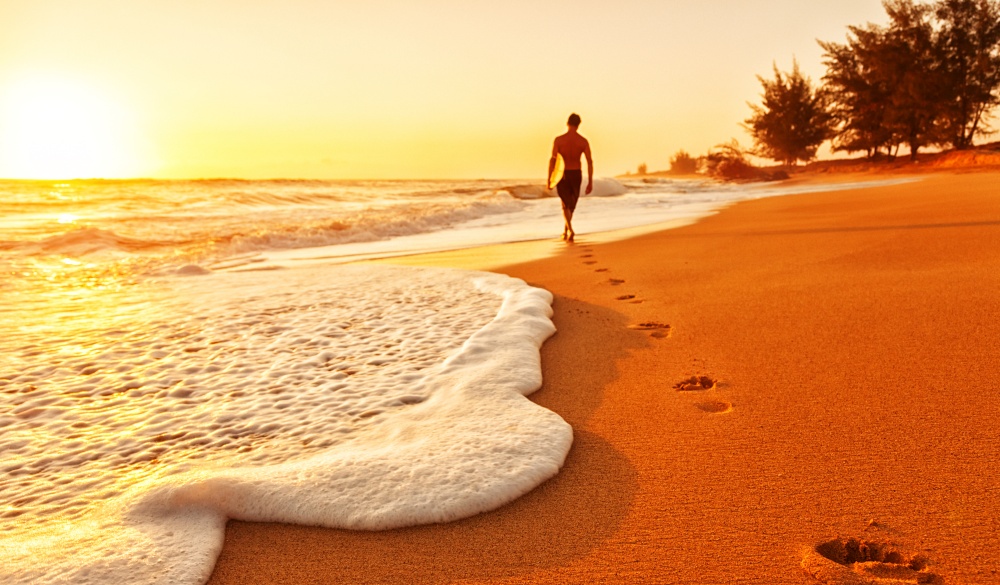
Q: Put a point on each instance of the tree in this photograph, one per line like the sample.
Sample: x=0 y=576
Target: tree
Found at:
x=793 y=119
x=859 y=97
x=683 y=163
x=930 y=76
x=906 y=65
x=968 y=50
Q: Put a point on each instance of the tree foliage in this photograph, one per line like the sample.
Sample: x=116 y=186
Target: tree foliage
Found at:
x=968 y=49
x=859 y=99
x=928 y=77
x=793 y=119
x=908 y=65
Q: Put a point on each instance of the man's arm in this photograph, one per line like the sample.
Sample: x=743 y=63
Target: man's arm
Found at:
x=590 y=168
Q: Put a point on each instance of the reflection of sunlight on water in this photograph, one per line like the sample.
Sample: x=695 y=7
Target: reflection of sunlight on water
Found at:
x=63 y=319
x=69 y=298
x=64 y=386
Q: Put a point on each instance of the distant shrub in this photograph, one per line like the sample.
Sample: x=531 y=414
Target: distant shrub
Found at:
x=642 y=169
x=683 y=163
x=728 y=162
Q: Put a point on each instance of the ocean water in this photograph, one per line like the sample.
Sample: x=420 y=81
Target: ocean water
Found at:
x=161 y=372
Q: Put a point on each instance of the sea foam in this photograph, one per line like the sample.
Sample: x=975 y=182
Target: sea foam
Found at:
x=347 y=396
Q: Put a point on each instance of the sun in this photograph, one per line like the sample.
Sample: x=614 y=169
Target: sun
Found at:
x=61 y=128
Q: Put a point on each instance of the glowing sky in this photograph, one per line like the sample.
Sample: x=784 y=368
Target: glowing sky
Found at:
x=389 y=89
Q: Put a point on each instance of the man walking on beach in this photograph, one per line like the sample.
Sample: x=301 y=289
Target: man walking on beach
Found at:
x=570 y=146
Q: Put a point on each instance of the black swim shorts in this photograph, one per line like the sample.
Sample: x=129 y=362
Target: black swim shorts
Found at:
x=569 y=188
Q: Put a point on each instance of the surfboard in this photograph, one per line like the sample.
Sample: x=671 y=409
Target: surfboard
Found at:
x=557 y=172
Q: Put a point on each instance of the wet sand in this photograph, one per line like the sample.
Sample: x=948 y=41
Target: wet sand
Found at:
x=787 y=373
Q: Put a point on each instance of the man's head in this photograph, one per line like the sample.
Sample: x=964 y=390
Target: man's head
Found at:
x=574 y=121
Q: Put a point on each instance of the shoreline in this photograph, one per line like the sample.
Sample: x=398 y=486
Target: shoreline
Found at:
x=493 y=256
x=846 y=334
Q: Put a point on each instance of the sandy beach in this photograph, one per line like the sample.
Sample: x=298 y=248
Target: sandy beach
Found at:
x=789 y=372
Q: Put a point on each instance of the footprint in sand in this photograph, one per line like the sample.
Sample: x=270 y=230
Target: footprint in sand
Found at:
x=590 y=262
x=659 y=330
x=616 y=281
x=715 y=406
x=634 y=301
x=587 y=256
x=853 y=561
x=695 y=384
x=602 y=270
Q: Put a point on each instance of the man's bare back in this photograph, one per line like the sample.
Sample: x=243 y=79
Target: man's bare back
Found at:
x=572 y=146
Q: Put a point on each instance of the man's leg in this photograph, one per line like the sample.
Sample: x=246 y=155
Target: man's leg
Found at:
x=569 y=191
x=565 y=233
x=568 y=232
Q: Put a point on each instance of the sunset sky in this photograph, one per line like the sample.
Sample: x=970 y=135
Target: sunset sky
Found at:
x=385 y=89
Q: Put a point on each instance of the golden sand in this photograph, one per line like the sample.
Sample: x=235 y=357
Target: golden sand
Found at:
x=793 y=382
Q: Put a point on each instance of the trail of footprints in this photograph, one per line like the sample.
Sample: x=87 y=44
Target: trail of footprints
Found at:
x=840 y=561
x=660 y=330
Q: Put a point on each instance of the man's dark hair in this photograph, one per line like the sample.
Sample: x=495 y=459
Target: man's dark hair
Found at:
x=574 y=120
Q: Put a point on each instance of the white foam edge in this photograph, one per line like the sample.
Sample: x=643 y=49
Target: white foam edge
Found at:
x=476 y=444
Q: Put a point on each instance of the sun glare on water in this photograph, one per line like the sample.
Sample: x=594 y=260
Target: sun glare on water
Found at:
x=54 y=128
